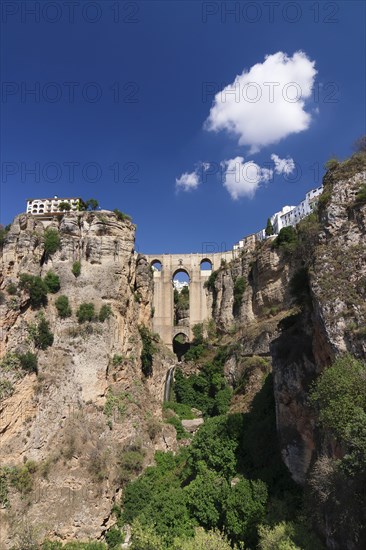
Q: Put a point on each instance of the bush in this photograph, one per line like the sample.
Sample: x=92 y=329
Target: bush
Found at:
x=29 y=362
x=361 y=196
x=148 y=350
x=86 y=312
x=239 y=289
x=130 y=463
x=3 y=232
x=340 y=395
x=121 y=216
x=36 y=288
x=63 y=307
x=6 y=389
x=177 y=423
x=210 y=283
x=64 y=206
x=117 y=359
x=76 y=269
x=105 y=312
x=286 y=239
x=52 y=241
x=11 y=289
x=114 y=538
x=41 y=334
x=52 y=282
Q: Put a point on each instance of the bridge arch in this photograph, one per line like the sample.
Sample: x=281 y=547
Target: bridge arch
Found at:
x=156 y=265
x=206 y=264
x=199 y=299
x=181 y=270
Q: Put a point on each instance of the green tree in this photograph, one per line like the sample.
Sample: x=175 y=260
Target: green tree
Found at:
x=205 y=497
x=63 y=307
x=35 y=287
x=41 y=334
x=269 y=228
x=245 y=508
x=286 y=239
x=92 y=204
x=278 y=537
x=85 y=312
x=64 y=206
x=52 y=241
x=52 y=282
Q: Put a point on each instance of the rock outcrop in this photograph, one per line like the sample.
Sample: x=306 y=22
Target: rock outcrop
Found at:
x=90 y=403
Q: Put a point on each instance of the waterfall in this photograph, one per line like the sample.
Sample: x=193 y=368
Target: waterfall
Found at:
x=168 y=383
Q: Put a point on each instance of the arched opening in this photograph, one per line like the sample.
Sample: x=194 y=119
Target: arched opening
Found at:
x=180 y=345
x=206 y=265
x=156 y=265
x=181 y=297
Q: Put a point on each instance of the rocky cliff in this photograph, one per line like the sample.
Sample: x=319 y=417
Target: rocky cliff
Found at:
x=66 y=430
x=303 y=304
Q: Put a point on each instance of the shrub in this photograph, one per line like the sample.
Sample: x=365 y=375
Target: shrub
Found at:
x=64 y=206
x=29 y=362
x=86 y=312
x=52 y=241
x=210 y=283
x=340 y=394
x=63 y=307
x=114 y=538
x=130 y=462
x=361 y=195
x=52 y=282
x=41 y=334
x=239 y=289
x=105 y=312
x=183 y=411
x=76 y=269
x=11 y=289
x=115 y=402
x=6 y=389
x=148 y=350
x=121 y=216
x=332 y=163
x=177 y=423
x=36 y=288
x=117 y=359
x=286 y=239
x=3 y=233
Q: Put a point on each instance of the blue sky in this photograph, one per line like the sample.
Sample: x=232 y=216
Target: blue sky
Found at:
x=144 y=82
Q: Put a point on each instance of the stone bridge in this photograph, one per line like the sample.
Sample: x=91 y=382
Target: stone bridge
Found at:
x=191 y=264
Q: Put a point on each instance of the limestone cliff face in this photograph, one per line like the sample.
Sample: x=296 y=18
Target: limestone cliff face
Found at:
x=302 y=341
x=90 y=401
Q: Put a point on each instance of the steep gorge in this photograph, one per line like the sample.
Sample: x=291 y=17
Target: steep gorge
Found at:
x=292 y=309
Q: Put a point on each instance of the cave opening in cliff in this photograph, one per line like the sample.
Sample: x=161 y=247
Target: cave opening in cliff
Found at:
x=180 y=345
x=181 y=297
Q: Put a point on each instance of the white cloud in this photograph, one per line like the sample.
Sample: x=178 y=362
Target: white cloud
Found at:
x=242 y=179
x=266 y=103
x=283 y=166
x=188 y=181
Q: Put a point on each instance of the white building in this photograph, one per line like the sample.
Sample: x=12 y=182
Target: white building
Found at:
x=291 y=215
x=47 y=207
